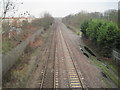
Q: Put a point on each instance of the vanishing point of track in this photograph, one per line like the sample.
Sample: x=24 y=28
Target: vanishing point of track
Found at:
x=58 y=70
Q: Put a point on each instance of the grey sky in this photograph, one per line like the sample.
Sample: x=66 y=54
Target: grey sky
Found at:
x=61 y=8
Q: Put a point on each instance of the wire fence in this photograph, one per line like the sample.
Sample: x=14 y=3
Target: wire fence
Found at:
x=116 y=55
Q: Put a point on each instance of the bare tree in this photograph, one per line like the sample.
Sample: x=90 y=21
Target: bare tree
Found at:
x=6 y=6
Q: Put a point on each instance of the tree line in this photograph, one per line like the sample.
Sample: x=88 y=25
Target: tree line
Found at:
x=45 y=21
x=100 y=28
x=104 y=34
x=77 y=19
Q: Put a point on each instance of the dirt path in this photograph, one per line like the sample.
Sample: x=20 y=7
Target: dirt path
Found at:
x=62 y=65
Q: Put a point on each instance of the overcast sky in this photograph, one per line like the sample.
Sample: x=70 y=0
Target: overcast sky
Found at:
x=61 y=8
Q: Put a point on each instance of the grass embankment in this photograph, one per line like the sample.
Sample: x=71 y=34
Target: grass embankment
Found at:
x=76 y=30
x=98 y=63
x=19 y=74
x=27 y=29
x=104 y=68
x=9 y=43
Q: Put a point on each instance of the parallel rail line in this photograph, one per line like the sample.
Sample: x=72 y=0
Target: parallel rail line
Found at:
x=45 y=57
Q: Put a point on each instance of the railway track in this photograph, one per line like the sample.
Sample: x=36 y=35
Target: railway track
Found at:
x=48 y=67
x=68 y=73
x=57 y=69
x=60 y=74
x=73 y=76
x=70 y=44
x=61 y=64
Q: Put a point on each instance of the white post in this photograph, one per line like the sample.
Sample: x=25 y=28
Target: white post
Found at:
x=1 y=53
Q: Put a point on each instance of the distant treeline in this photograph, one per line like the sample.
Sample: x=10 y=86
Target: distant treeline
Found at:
x=45 y=21
x=77 y=19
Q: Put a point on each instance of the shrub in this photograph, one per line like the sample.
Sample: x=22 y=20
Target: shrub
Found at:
x=104 y=33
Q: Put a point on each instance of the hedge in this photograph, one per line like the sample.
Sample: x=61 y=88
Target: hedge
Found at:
x=105 y=34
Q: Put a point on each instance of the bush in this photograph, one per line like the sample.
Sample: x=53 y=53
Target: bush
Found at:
x=84 y=27
x=44 y=22
x=105 y=34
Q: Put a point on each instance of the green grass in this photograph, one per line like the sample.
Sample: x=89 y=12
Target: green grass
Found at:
x=5 y=47
x=104 y=69
x=113 y=67
x=8 y=45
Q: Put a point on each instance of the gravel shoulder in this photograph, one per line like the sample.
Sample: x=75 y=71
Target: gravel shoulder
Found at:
x=91 y=74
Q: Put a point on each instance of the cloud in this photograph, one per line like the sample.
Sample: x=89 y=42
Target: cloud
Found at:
x=69 y=0
x=62 y=8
